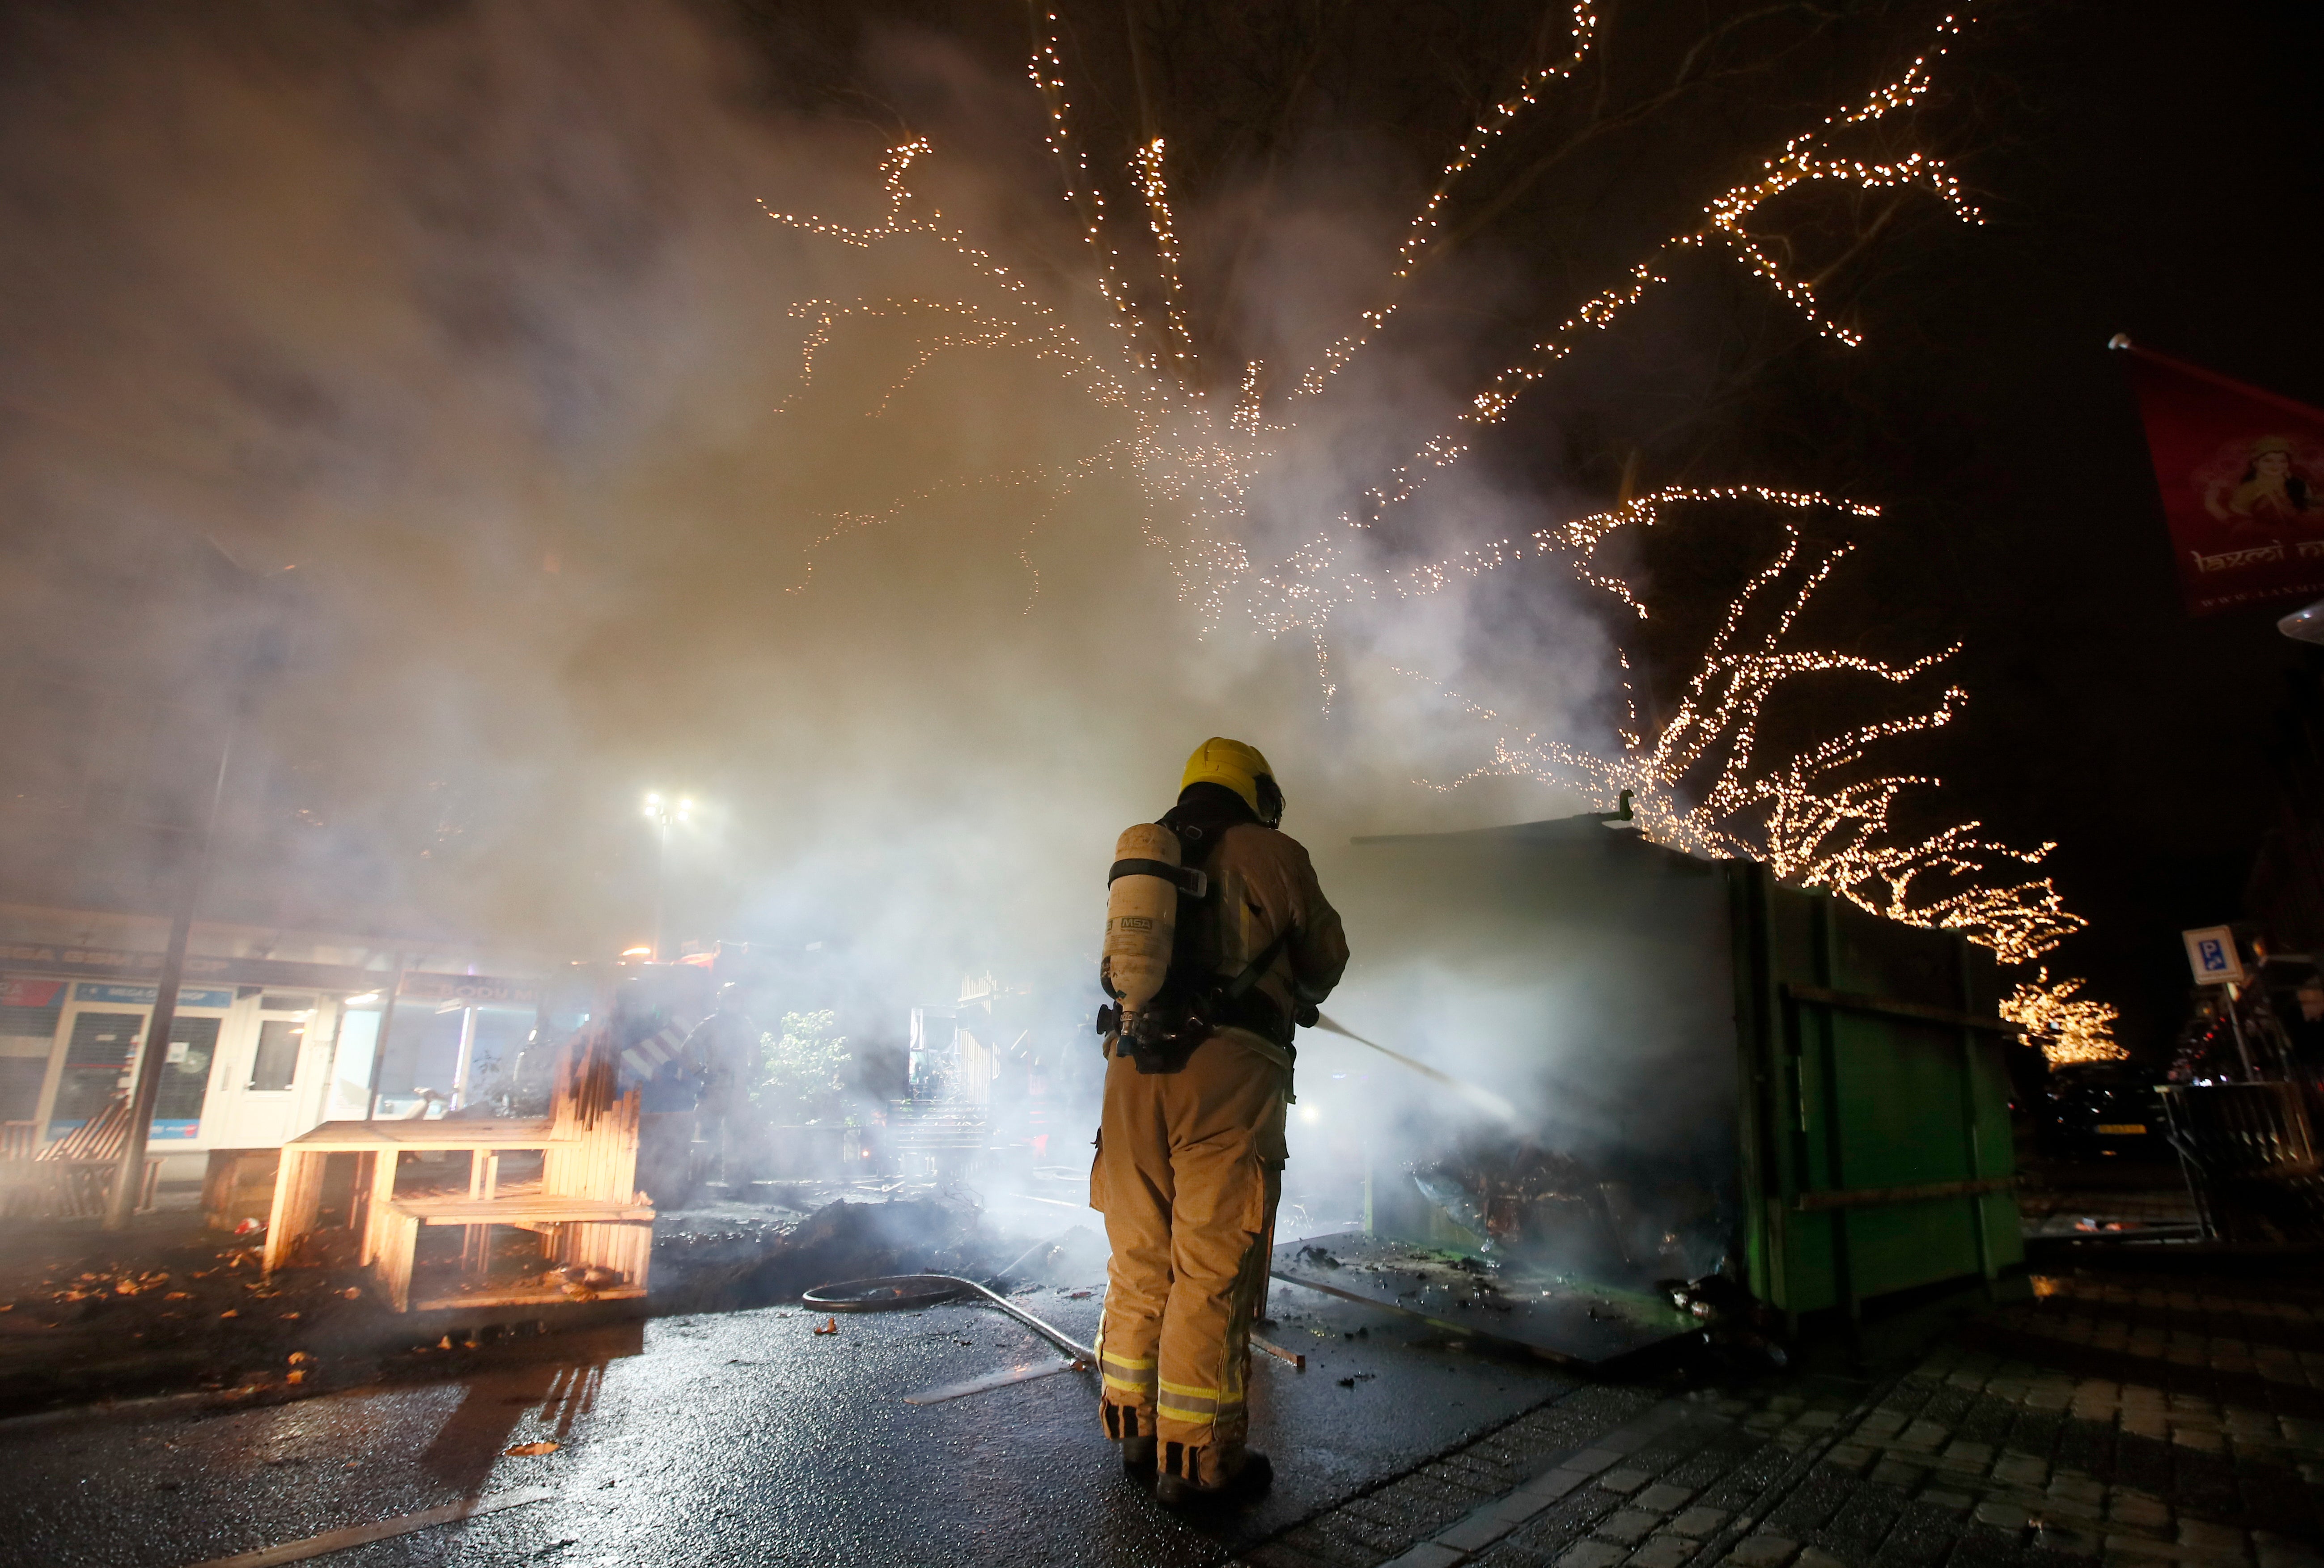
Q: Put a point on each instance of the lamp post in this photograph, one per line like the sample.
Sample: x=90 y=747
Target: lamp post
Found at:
x=129 y=1180
x=661 y=812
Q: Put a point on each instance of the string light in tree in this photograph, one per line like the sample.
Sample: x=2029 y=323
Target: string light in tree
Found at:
x=2067 y=1027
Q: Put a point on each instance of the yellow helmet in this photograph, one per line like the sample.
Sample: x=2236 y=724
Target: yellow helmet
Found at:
x=1238 y=768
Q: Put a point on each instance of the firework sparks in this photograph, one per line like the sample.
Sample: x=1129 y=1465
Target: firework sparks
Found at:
x=1699 y=780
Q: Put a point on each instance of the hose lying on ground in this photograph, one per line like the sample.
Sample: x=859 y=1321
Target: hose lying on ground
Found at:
x=895 y=1292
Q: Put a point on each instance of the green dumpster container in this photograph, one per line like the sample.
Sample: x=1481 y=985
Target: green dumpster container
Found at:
x=1830 y=1085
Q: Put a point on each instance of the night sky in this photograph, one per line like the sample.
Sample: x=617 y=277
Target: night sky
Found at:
x=2164 y=181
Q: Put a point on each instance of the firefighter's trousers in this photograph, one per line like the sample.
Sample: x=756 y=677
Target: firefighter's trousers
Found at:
x=1189 y=1166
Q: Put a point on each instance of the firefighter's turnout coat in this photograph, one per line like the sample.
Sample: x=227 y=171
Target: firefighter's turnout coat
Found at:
x=1189 y=1163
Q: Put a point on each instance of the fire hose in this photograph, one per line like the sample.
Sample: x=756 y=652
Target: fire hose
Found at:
x=898 y=1292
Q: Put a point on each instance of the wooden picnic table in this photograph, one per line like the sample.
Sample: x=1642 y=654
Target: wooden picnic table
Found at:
x=583 y=1205
x=298 y=1182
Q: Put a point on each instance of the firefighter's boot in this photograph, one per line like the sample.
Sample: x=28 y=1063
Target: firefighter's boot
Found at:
x=1221 y=1475
x=1137 y=1443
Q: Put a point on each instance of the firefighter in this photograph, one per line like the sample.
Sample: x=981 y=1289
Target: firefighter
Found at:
x=1190 y=1145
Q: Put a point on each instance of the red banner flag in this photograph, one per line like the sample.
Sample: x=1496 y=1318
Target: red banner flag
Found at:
x=2242 y=475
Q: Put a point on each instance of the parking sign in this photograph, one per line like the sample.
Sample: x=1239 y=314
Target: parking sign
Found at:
x=2211 y=954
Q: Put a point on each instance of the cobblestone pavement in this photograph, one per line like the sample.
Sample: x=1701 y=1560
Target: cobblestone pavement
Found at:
x=2145 y=1421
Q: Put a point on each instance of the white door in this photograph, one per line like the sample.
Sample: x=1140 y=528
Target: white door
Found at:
x=272 y=1081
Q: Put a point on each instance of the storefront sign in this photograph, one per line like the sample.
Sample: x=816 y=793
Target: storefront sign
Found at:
x=476 y=990
x=124 y=963
x=31 y=992
x=121 y=963
x=164 y=1127
x=147 y=995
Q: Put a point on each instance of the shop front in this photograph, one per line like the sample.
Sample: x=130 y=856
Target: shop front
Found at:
x=262 y=1047
x=103 y=1026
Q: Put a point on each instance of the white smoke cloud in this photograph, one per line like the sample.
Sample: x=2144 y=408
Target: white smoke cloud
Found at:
x=469 y=322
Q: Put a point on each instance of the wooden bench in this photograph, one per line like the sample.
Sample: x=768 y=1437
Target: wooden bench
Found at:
x=401 y=1218
x=72 y=1178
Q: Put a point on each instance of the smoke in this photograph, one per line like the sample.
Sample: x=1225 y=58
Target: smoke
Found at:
x=466 y=321
x=463 y=326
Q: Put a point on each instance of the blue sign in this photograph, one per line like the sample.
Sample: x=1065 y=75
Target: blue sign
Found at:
x=2211 y=954
x=147 y=995
x=164 y=1127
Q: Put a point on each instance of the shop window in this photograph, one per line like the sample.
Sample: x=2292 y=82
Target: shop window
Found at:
x=20 y=1086
x=503 y=1034
x=277 y=1062
x=96 y=1065
x=30 y=1023
x=31 y=1008
x=423 y=1052
x=184 y=1078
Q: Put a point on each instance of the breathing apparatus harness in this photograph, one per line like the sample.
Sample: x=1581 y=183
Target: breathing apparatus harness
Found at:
x=1194 y=1002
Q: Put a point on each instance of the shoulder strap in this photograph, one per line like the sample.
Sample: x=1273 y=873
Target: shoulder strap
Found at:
x=1190 y=882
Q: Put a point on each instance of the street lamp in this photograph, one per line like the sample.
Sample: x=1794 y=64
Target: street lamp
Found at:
x=661 y=812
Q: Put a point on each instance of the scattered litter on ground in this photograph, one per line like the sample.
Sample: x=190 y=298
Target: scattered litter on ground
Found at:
x=84 y=1315
x=1298 y=1361
x=529 y=1450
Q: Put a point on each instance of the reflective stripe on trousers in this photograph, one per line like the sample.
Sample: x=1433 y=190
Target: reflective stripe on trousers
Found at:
x=1194 y=1405
x=1130 y=1378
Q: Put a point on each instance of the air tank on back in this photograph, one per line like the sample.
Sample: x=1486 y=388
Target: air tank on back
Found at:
x=1141 y=917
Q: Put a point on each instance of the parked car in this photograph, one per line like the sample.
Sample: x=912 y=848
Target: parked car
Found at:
x=2106 y=1110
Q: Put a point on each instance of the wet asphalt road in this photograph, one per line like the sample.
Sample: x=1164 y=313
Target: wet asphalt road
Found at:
x=746 y=1438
